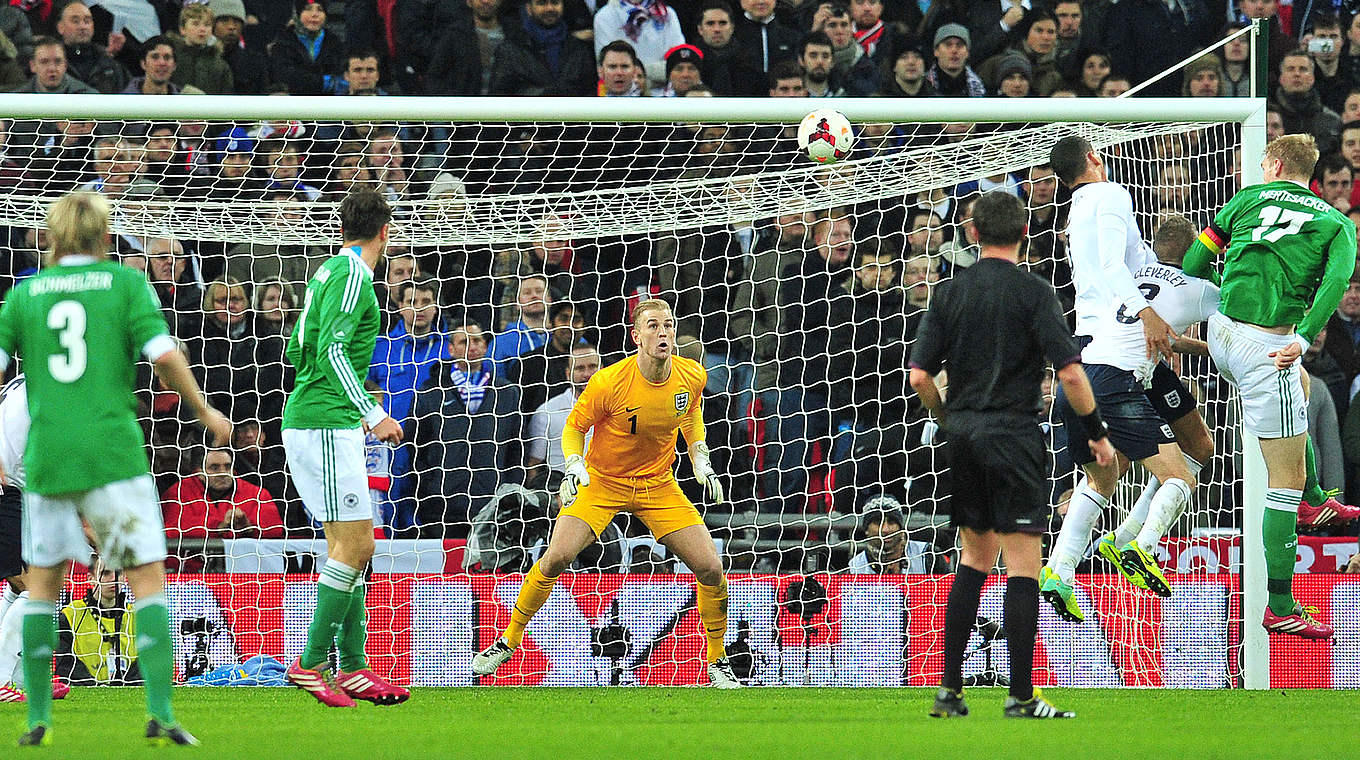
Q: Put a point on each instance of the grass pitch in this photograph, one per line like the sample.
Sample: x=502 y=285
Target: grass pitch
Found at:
x=696 y=724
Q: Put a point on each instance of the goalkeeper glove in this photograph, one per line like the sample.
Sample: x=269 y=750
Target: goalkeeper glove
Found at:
x=577 y=476
x=703 y=472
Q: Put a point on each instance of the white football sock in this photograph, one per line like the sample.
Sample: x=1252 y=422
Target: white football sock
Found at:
x=12 y=643
x=1133 y=521
x=1083 y=511
x=1167 y=505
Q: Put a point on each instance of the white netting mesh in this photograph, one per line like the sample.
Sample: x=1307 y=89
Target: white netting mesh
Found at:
x=807 y=406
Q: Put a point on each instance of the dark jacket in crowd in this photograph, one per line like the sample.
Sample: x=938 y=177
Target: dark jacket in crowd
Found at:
x=310 y=67
x=461 y=457
x=816 y=325
x=875 y=373
x=249 y=69
x=1145 y=38
x=730 y=73
x=94 y=67
x=1304 y=112
x=537 y=61
x=759 y=42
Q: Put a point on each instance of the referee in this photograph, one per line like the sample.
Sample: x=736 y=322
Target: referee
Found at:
x=993 y=326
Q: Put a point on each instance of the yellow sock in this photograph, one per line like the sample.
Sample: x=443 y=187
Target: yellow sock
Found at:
x=713 y=617
x=532 y=595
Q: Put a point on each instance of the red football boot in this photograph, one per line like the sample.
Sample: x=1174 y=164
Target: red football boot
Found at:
x=371 y=687
x=59 y=689
x=320 y=683
x=1300 y=623
x=1328 y=512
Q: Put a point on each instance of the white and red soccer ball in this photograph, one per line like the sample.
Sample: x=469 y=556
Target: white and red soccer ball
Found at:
x=826 y=136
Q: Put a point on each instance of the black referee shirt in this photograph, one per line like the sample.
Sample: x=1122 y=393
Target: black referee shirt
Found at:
x=992 y=326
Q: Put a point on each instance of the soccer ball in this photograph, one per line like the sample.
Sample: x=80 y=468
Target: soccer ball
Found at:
x=826 y=136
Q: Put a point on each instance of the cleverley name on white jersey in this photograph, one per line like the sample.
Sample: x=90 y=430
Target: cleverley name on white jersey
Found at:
x=1179 y=299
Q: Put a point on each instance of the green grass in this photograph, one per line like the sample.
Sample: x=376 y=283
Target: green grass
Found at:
x=696 y=724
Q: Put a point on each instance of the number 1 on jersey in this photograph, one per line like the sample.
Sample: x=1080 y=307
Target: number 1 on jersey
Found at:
x=632 y=425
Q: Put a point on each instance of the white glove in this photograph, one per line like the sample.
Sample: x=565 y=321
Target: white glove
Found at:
x=577 y=476
x=703 y=472
x=928 y=432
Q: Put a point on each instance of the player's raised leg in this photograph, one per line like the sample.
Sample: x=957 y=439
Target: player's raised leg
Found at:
x=571 y=535
x=694 y=546
x=1285 y=464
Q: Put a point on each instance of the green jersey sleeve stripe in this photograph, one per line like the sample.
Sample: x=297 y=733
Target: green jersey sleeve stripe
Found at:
x=348 y=381
x=354 y=281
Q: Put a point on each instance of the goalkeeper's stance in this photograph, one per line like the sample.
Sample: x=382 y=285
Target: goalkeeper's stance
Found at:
x=635 y=406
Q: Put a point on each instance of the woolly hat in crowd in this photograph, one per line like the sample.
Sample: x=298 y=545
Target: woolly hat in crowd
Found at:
x=301 y=5
x=1013 y=63
x=683 y=54
x=233 y=8
x=1206 y=62
x=953 y=30
x=236 y=141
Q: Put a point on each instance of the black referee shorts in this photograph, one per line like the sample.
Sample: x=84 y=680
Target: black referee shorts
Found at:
x=1136 y=429
x=11 y=525
x=1168 y=394
x=997 y=468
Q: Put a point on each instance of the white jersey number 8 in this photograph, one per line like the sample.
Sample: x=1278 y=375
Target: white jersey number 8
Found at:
x=1277 y=222
x=68 y=319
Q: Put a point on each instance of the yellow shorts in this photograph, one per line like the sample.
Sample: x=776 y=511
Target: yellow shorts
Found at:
x=656 y=500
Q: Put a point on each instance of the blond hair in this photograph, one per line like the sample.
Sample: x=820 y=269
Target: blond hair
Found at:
x=225 y=281
x=1297 y=153
x=651 y=304
x=78 y=223
x=196 y=12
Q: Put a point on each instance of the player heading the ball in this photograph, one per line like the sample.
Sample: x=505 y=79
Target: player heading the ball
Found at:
x=636 y=408
x=80 y=325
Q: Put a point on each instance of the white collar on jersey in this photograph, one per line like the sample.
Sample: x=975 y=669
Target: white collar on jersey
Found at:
x=75 y=260
x=353 y=250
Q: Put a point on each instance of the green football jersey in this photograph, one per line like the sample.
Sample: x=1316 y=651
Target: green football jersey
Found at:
x=80 y=329
x=332 y=346
x=1287 y=257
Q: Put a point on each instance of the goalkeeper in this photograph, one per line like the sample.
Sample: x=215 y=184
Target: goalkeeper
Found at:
x=1282 y=246
x=636 y=407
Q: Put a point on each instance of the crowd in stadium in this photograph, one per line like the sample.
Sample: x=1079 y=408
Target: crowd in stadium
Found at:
x=804 y=320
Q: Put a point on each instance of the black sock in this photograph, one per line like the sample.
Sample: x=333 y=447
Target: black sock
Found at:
x=960 y=616
x=1022 y=623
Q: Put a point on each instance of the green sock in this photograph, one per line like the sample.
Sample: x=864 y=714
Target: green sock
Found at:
x=354 y=633
x=156 y=655
x=1281 y=544
x=1312 y=492
x=334 y=592
x=40 y=640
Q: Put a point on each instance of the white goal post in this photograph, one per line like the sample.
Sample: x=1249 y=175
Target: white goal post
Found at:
x=677 y=201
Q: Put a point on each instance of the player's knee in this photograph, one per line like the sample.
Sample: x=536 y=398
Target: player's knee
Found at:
x=552 y=563
x=709 y=574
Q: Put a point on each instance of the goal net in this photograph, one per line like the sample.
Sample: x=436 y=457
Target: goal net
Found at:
x=524 y=232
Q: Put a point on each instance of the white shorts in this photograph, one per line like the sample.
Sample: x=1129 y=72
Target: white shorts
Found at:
x=330 y=473
x=1273 y=404
x=125 y=517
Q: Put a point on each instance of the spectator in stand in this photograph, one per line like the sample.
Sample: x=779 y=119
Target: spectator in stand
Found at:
x=249 y=66
x=786 y=81
x=167 y=163
x=262 y=462
x=274 y=302
x=870 y=449
x=198 y=54
x=950 y=76
x=158 y=63
x=398 y=267
x=814 y=56
x=462 y=58
x=86 y=61
x=1114 y=85
x=920 y=274
x=544 y=444
x=96 y=634
x=879 y=38
x=1146 y=37
x=541 y=373
x=1280 y=42
x=618 y=71
x=291 y=262
x=214 y=503
x=305 y=57
x=763 y=41
x=282 y=160
x=348 y=171
x=1011 y=76
x=1350 y=150
x=117 y=164
x=961 y=250
x=1037 y=43
x=239 y=368
x=11 y=68
x=387 y=162
x=1333 y=181
x=527 y=333
x=48 y=65
x=858 y=72
x=726 y=69
x=235 y=156
x=1069 y=16
x=1204 y=78
x=361 y=74
x=908 y=78
x=1334 y=82
x=650 y=26
x=775 y=245
x=684 y=64
x=925 y=232
x=462 y=430
x=884 y=548
x=167 y=268
x=539 y=57
x=1086 y=71
x=15 y=27
x=1236 y=60
x=1343 y=334
x=817 y=313
x=1300 y=105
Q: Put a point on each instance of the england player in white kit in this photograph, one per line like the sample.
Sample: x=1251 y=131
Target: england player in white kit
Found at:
x=1123 y=337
